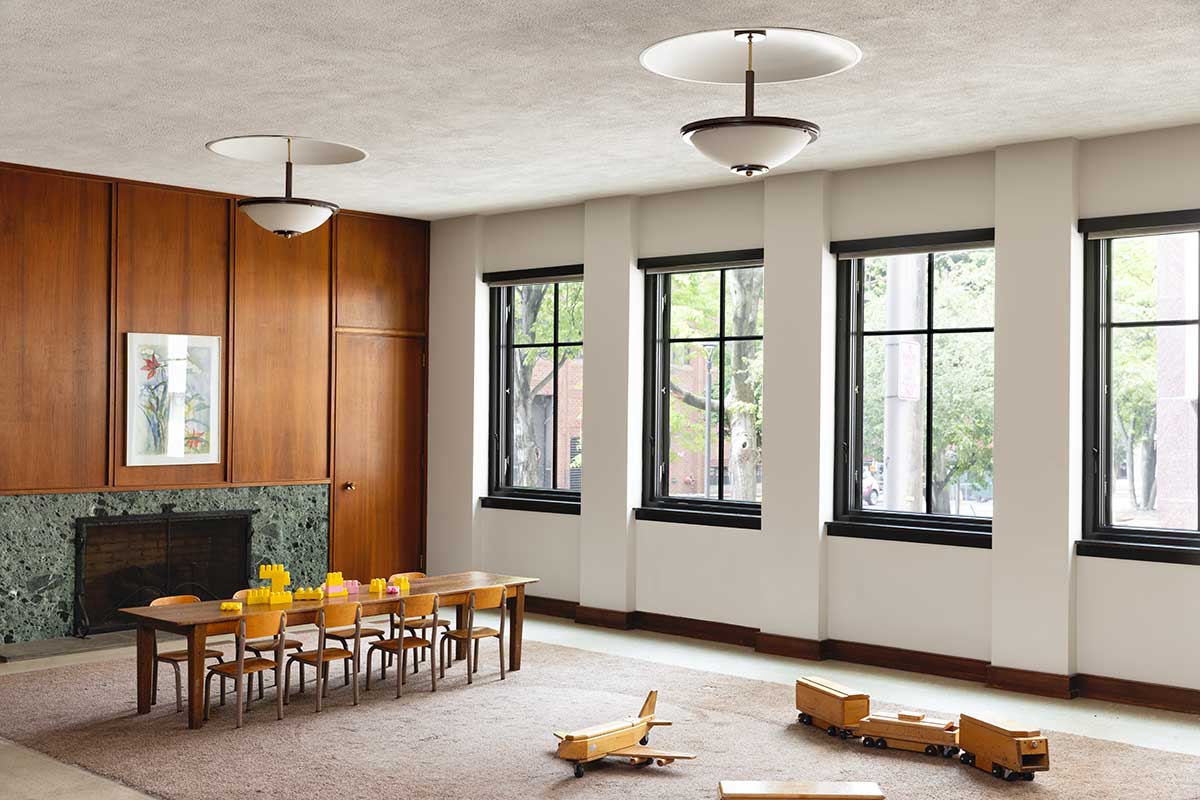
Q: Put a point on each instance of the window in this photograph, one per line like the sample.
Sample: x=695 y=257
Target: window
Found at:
x=1142 y=386
x=704 y=377
x=915 y=399
x=537 y=389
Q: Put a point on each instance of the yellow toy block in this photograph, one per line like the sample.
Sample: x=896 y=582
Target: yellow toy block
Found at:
x=334 y=585
x=378 y=585
x=280 y=598
x=258 y=596
x=309 y=593
x=276 y=574
x=231 y=606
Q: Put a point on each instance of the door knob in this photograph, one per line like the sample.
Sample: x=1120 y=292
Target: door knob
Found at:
x=349 y=486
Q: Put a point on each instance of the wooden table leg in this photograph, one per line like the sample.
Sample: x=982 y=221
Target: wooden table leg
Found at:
x=516 y=624
x=145 y=667
x=197 y=639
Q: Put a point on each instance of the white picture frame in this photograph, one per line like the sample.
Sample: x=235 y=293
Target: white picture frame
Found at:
x=172 y=399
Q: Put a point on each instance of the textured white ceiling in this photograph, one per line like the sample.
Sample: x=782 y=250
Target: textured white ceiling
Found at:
x=489 y=106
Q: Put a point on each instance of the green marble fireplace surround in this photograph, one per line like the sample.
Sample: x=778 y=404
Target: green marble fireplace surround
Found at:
x=37 y=542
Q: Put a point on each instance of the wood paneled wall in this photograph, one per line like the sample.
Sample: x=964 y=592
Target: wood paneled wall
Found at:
x=84 y=260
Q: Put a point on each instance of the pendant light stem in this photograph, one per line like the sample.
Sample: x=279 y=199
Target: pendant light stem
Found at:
x=287 y=171
x=750 y=75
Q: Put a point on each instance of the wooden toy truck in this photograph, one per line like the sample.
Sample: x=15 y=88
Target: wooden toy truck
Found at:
x=1005 y=750
x=799 y=790
x=910 y=730
x=830 y=706
x=624 y=738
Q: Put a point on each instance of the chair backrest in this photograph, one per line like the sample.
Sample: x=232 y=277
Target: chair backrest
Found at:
x=240 y=594
x=175 y=600
x=412 y=576
x=341 y=615
x=490 y=597
x=268 y=623
x=418 y=605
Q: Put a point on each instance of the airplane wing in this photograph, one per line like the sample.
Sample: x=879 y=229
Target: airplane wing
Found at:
x=654 y=723
x=559 y=735
x=641 y=751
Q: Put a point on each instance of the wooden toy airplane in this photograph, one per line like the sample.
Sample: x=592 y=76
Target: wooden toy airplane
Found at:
x=624 y=738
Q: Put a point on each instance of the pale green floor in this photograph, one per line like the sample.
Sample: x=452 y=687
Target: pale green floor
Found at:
x=29 y=775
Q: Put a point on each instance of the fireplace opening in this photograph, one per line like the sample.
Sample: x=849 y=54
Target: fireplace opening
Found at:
x=125 y=561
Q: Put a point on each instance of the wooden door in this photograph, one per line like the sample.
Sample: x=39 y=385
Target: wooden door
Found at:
x=379 y=438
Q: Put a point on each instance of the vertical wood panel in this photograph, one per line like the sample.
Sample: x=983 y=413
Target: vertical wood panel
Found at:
x=379 y=447
x=172 y=277
x=54 y=301
x=282 y=307
x=381 y=273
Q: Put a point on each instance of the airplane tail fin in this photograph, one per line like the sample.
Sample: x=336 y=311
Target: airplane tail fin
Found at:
x=648 y=706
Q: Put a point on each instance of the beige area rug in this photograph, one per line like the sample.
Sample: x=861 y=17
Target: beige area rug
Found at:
x=492 y=740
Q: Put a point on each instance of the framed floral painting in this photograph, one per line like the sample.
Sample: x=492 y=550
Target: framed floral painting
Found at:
x=173 y=396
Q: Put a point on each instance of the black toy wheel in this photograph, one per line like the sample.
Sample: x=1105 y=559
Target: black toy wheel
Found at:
x=831 y=730
x=805 y=719
x=643 y=764
x=846 y=734
x=868 y=741
x=645 y=740
x=931 y=750
x=578 y=770
x=967 y=759
x=998 y=770
x=1026 y=776
x=881 y=743
x=951 y=752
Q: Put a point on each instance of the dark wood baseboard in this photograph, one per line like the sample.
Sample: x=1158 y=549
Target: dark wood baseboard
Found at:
x=776 y=644
x=551 y=607
x=877 y=655
x=1137 y=693
x=722 y=632
x=1095 y=687
x=1046 y=684
x=604 y=617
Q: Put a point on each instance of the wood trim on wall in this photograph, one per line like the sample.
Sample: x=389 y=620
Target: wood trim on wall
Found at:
x=1095 y=687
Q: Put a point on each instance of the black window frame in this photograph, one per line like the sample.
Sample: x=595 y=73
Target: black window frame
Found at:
x=1099 y=536
x=849 y=520
x=501 y=492
x=657 y=504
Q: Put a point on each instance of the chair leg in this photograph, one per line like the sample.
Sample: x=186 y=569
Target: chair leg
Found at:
x=371 y=652
x=178 y=689
x=278 y=694
x=317 y=669
x=354 y=682
x=442 y=657
x=154 y=684
x=325 y=679
x=470 y=661
x=237 y=696
x=261 y=681
x=476 y=655
x=433 y=664
x=207 y=694
x=287 y=681
x=250 y=692
x=400 y=672
x=500 y=641
x=345 y=672
x=221 y=660
x=301 y=663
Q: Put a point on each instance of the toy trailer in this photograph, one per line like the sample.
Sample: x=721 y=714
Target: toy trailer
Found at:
x=799 y=790
x=830 y=706
x=1007 y=751
x=909 y=730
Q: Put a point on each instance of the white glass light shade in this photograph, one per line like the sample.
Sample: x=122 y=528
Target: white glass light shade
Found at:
x=287 y=216
x=750 y=145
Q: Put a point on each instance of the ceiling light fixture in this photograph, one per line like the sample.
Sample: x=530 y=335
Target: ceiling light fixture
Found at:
x=749 y=144
x=286 y=216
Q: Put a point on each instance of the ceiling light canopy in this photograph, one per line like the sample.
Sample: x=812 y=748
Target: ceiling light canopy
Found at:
x=286 y=216
x=750 y=145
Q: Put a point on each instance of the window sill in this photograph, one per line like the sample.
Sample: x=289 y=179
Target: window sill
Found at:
x=1138 y=551
x=720 y=519
x=532 y=504
x=863 y=529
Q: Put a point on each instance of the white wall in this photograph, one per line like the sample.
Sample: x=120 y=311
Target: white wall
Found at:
x=1109 y=616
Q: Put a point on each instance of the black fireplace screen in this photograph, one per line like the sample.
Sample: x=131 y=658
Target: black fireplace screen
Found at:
x=128 y=561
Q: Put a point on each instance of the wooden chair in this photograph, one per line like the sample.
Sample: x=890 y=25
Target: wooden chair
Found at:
x=176 y=657
x=422 y=605
x=417 y=624
x=478 y=600
x=344 y=635
x=272 y=624
x=337 y=615
x=257 y=647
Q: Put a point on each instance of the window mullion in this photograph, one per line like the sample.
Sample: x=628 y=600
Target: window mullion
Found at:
x=508 y=355
x=929 y=384
x=554 y=398
x=721 y=394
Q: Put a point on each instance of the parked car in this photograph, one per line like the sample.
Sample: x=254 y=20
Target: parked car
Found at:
x=870 y=489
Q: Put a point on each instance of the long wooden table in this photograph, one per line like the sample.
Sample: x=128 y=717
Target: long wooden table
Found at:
x=197 y=621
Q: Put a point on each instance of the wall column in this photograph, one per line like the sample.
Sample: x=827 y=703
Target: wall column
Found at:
x=458 y=392
x=798 y=376
x=612 y=404
x=1037 y=459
